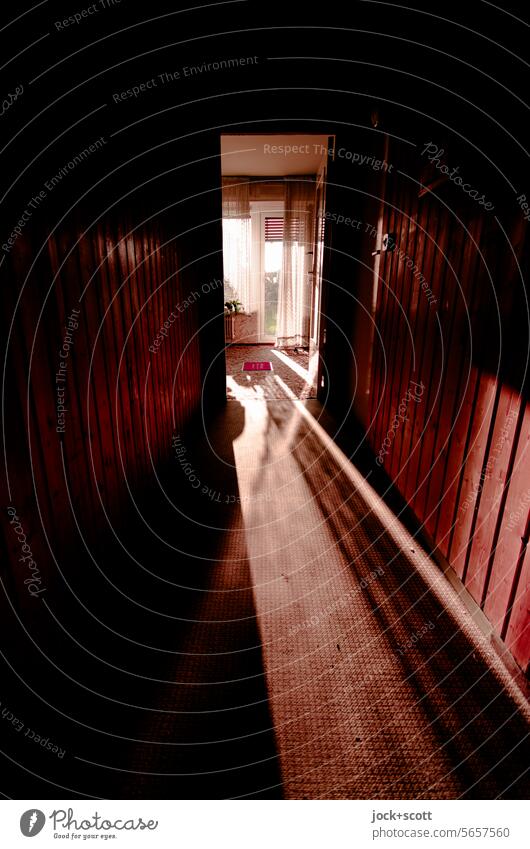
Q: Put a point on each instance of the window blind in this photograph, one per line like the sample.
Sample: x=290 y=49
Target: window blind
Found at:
x=274 y=229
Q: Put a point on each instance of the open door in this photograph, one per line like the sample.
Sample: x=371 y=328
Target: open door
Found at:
x=320 y=263
x=274 y=189
x=318 y=253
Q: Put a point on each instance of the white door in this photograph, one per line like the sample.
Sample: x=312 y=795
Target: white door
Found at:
x=318 y=253
x=267 y=247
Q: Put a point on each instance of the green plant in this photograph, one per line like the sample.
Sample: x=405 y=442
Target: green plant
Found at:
x=233 y=306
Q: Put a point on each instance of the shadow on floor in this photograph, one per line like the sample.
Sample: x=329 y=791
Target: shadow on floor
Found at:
x=150 y=674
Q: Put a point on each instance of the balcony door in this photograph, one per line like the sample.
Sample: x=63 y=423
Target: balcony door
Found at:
x=266 y=264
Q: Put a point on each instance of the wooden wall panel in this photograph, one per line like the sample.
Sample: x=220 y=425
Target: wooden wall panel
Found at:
x=475 y=458
x=517 y=630
x=493 y=481
x=449 y=442
x=123 y=400
x=503 y=563
x=459 y=458
x=410 y=463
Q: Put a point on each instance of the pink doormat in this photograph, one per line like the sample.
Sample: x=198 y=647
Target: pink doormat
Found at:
x=257 y=366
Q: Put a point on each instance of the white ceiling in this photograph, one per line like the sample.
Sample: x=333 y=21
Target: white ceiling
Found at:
x=248 y=156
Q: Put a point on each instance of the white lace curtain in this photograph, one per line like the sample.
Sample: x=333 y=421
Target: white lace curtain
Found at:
x=294 y=296
x=236 y=240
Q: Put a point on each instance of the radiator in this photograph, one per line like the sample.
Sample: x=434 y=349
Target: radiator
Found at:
x=229 y=328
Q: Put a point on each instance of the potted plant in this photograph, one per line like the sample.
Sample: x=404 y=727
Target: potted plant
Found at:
x=233 y=306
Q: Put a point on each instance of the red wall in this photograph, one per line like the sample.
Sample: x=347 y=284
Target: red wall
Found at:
x=461 y=459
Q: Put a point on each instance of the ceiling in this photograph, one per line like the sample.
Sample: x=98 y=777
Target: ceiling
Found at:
x=254 y=156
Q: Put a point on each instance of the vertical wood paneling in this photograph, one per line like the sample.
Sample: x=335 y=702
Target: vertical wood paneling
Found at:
x=493 y=482
x=474 y=460
x=512 y=531
x=125 y=279
x=450 y=442
x=400 y=329
x=516 y=631
x=460 y=458
x=408 y=447
x=420 y=366
x=407 y=324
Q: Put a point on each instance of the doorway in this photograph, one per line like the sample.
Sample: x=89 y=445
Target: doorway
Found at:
x=273 y=245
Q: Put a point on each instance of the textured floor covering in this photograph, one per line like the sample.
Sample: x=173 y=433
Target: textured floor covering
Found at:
x=286 y=638
x=379 y=685
x=292 y=368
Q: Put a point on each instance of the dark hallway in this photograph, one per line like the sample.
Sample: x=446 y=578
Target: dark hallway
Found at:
x=303 y=645
x=228 y=580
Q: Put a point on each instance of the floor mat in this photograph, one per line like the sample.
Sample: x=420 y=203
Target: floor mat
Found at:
x=261 y=365
x=293 y=373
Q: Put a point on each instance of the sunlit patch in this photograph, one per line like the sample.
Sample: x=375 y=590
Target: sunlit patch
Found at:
x=244 y=392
